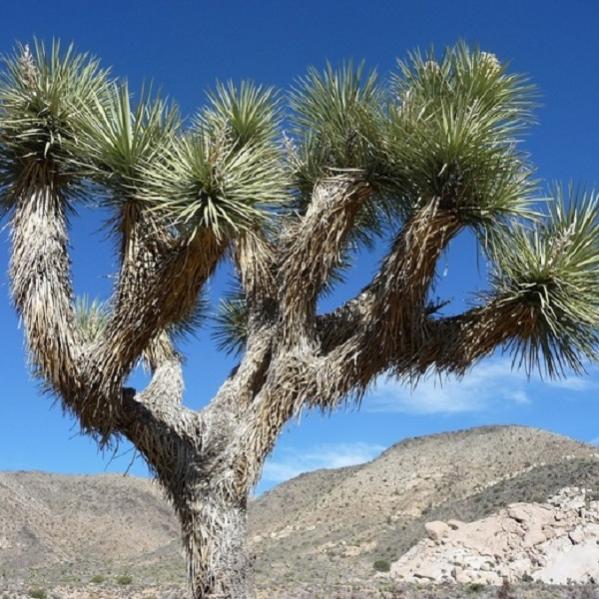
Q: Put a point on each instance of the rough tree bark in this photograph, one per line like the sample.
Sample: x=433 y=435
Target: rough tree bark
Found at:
x=207 y=461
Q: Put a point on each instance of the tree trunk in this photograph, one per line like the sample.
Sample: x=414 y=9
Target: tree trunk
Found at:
x=198 y=461
x=212 y=512
x=214 y=533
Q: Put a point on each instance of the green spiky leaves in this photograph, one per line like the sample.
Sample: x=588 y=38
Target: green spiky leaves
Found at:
x=553 y=270
x=204 y=181
x=337 y=117
x=225 y=175
x=248 y=113
x=231 y=323
x=42 y=95
x=118 y=140
x=446 y=131
x=91 y=318
x=454 y=126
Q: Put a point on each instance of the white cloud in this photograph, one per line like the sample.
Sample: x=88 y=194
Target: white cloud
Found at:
x=289 y=463
x=489 y=384
x=573 y=383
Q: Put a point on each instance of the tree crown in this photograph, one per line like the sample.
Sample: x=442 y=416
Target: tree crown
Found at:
x=441 y=137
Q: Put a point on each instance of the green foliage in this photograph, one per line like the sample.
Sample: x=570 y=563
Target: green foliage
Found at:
x=231 y=322
x=339 y=124
x=190 y=322
x=97 y=579
x=553 y=269
x=381 y=565
x=118 y=140
x=204 y=182
x=42 y=95
x=338 y=119
x=91 y=317
x=249 y=113
x=124 y=579
x=447 y=131
x=226 y=174
x=453 y=131
x=37 y=593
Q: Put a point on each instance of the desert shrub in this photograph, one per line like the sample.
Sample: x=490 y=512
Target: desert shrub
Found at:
x=475 y=587
x=382 y=565
x=124 y=579
x=37 y=594
x=97 y=579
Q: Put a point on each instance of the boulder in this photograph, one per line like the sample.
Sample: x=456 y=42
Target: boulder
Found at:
x=436 y=530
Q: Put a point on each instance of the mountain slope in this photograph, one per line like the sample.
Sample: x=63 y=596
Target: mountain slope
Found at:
x=324 y=528
x=80 y=523
x=378 y=510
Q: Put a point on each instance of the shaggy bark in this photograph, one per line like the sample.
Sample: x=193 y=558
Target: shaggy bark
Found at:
x=191 y=455
x=214 y=525
x=208 y=460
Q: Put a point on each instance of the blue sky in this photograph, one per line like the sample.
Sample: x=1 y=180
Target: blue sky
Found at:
x=184 y=47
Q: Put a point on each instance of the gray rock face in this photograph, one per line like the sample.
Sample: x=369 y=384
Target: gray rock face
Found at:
x=554 y=542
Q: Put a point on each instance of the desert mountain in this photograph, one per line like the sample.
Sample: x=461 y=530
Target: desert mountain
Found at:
x=336 y=524
x=326 y=527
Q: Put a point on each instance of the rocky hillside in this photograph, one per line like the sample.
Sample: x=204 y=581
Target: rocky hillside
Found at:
x=322 y=530
x=342 y=521
x=67 y=526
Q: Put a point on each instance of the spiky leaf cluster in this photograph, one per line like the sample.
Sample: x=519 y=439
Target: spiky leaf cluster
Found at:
x=231 y=323
x=338 y=120
x=248 y=112
x=91 y=317
x=226 y=174
x=42 y=95
x=553 y=269
x=454 y=126
x=189 y=323
x=118 y=141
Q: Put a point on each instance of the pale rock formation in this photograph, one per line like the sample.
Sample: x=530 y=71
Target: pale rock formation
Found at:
x=554 y=542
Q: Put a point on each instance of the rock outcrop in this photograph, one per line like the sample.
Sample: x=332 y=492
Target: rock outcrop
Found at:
x=553 y=542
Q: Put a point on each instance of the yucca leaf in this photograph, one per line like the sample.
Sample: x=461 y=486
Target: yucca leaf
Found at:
x=119 y=140
x=226 y=174
x=453 y=134
x=337 y=120
x=42 y=95
x=91 y=317
x=231 y=322
x=553 y=268
x=248 y=112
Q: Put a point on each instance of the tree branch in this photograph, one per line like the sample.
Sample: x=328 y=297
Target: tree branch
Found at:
x=254 y=259
x=41 y=286
x=388 y=316
x=159 y=284
x=313 y=245
x=455 y=343
x=379 y=329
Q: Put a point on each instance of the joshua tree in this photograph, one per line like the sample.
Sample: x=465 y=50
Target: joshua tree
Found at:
x=432 y=152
